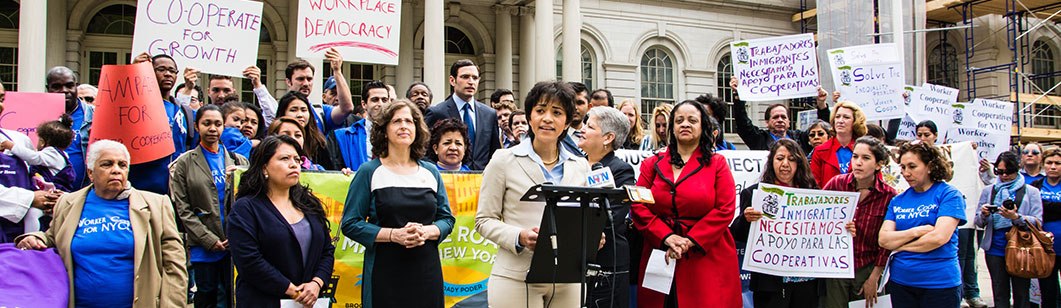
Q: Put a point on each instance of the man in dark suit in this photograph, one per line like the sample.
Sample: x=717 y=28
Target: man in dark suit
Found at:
x=480 y=118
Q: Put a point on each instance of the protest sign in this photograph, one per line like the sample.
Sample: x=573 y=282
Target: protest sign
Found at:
x=214 y=36
x=986 y=122
x=363 y=31
x=863 y=54
x=466 y=256
x=776 y=68
x=934 y=103
x=129 y=110
x=24 y=111
x=805 y=118
x=965 y=163
x=875 y=87
x=802 y=233
x=746 y=166
x=907 y=124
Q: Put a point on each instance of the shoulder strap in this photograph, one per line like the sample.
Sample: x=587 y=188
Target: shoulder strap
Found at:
x=994 y=192
x=1018 y=197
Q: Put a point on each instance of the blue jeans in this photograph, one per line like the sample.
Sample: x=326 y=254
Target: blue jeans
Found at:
x=907 y=296
x=967 y=239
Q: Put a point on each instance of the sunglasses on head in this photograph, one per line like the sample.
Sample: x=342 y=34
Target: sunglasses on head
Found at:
x=1004 y=171
x=1032 y=152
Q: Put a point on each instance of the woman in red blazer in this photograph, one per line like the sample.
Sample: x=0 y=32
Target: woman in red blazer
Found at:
x=694 y=194
x=833 y=157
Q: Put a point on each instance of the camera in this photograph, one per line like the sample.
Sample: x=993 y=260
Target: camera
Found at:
x=1009 y=205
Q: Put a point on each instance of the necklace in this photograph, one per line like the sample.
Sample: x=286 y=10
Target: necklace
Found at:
x=555 y=160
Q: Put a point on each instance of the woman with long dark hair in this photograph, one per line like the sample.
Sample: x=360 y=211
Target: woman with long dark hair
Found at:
x=694 y=192
x=870 y=155
x=786 y=166
x=296 y=105
x=278 y=232
x=398 y=209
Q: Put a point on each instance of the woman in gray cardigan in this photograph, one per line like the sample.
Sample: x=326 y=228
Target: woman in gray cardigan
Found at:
x=997 y=220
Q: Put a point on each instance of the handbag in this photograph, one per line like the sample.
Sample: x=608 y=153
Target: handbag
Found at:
x=1029 y=253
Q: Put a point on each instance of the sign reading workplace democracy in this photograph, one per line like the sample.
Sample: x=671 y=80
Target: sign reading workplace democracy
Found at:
x=466 y=256
x=364 y=31
x=986 y=122
x=776 y=68
x=802 y=233
x=215 y=36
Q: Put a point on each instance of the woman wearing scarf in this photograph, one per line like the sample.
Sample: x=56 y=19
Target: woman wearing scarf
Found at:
x=997 y=220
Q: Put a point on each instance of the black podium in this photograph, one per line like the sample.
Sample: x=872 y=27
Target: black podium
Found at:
x=576 y=216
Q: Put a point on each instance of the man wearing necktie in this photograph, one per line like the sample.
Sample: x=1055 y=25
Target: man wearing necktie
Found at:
x=483 y=135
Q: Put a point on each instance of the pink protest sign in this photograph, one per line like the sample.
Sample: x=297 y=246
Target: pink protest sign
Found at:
x=363 y=31
x=24 y=111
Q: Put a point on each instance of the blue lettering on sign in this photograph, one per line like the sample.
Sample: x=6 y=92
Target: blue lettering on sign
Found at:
x=461 y=290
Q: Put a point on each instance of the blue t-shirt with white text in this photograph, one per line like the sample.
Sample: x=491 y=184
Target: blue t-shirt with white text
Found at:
x=912 y=209
x=217 y=170
x=102 y=252
x=1051 y=193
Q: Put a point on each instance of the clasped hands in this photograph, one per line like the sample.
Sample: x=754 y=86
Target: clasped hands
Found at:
x=411 y=235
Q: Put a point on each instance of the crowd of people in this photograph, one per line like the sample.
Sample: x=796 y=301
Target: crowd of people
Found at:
x=183 y=226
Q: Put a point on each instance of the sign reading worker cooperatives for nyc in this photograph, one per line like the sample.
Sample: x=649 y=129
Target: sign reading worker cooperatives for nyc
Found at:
x=802 y=233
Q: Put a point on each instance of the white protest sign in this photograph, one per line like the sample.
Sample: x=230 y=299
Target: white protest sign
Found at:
x=863 y=54
x=214 y=36
x=776 y=68
x=934 y=103
x=965 y=162
x=907 y=125
x=805 y=118
x=365 y=31
x=874 y=87
x=986 y=122
x=802 y=233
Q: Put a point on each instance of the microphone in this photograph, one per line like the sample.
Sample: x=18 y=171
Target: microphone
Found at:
x=601 y=176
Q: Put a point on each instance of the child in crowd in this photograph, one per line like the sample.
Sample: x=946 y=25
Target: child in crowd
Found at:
x=231 y=137
x=49 y=163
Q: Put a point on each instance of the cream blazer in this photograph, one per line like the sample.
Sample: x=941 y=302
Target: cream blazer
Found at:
x=159 y=261
x=501 y=216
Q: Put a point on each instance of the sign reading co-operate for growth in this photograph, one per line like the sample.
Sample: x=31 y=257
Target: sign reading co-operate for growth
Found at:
x=214 y=36
x=364 y=31
x=776 y=67
x=129 y=110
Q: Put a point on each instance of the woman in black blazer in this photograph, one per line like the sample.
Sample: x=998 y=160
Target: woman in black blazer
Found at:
x=278 y=232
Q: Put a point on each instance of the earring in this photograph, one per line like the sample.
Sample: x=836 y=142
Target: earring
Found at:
x=266 y=176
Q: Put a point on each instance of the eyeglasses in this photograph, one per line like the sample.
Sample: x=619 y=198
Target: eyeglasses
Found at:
x=88 y=99
x=1032 y=152
x=162 y=69
x=817 y=134
x=1005 y=171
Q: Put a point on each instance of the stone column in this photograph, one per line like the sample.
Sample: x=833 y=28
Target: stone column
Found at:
x=572 y=42
x=434 y=49
x=504 y=47
x=32 y=43
x=526 y=51
x=545 y=54
x=405 y=48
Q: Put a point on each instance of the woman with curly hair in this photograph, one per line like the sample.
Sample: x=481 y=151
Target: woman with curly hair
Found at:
x=658 y=139
x=834 y=156
x=920 y=228
x=397 y=207
x=449 y=145
x=786 y=167
x=632 y=110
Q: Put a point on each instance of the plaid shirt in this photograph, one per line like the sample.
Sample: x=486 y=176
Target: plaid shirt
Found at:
x=869 y=216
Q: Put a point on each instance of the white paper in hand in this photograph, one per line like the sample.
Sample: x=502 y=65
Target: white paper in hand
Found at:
x=290 y=303
x=658 y=273
x=883 y=301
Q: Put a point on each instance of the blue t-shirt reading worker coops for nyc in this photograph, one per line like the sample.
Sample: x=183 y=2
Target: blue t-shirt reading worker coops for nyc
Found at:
x=936 y=269
x=102 y=251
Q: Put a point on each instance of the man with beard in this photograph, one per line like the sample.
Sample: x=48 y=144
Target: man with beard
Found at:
x=153 y=176
x=350 y=146
x=420 y=95
x=61 y=79
x=299 y=77
x=776 y=117
x=219 y=88
x=483 y=135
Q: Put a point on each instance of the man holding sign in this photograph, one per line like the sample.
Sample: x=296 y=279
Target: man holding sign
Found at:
x=299 y=77
x=776 y=117
x=153 y=175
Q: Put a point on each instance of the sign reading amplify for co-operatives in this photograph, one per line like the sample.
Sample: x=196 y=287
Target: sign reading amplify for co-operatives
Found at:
x=215 y=36
x=466 y=256
x=776 y=68
x=802 y=233
x=129 y=110
x=364 y=31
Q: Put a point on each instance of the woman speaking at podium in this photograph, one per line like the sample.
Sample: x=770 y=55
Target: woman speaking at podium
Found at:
x=512 y=224
x=695 y=195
